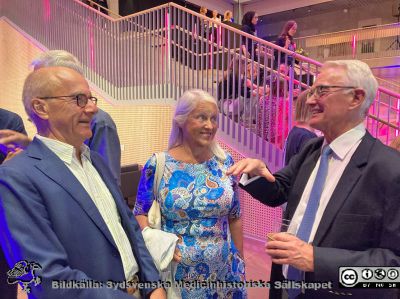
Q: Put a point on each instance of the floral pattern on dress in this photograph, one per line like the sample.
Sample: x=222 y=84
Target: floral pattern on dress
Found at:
x=197 y=201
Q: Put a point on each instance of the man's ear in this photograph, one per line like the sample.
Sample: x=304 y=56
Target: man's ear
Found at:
x=358 y=99
x=40 y=108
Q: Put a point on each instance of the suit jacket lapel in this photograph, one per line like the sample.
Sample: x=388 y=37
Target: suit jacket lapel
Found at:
x=351 y=175
x=51 y=166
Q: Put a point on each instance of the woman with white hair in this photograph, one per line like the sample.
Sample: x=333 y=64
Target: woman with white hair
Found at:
x=199 y=202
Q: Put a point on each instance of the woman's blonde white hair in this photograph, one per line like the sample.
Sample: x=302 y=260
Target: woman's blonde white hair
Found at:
x=185 y=105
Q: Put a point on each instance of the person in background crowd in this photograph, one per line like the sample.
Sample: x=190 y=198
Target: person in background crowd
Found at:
x=60 y=206
x=204 y=23
x=228 y=17
x=285 y=40
x=342 y=192
x=301 y=131
x=249 y=22
x=198 y=201
x=203 y=11
x=104 y=140
x=215 y=25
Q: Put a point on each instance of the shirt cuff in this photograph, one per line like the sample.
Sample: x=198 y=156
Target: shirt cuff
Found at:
x=244 y=180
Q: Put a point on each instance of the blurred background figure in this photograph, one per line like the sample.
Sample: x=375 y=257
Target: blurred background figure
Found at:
x=215 y=25
x=199 y=202
x=271 y=115
x=204 y=24
x=203 y=11
x=249 y=22
x=301 y=132
x=285 y=40
x=228 y=17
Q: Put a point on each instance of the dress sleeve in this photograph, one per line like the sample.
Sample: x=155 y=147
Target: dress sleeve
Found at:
x=145 y=196
x=235 y=211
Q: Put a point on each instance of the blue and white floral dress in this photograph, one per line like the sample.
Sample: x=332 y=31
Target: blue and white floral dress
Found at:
x=197 y=201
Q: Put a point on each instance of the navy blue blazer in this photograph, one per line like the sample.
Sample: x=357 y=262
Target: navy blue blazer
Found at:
x=361 y=223
x=46 y=216
x=105 y=141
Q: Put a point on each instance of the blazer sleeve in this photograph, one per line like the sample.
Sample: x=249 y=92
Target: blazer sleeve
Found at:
x=277 y=193
x=105 y=141
x=27 y=233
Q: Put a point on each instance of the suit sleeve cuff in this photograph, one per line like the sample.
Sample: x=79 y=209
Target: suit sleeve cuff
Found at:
x=245 y=180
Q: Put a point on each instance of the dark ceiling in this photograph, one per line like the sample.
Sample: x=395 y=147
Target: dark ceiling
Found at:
x=318 y=9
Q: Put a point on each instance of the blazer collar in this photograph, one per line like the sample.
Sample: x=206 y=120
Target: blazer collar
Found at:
x=350 y=177
x=51 y=166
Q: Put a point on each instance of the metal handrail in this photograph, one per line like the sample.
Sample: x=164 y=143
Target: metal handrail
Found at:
x=158 y=53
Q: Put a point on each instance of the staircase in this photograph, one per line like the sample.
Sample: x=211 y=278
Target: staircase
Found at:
x=154 y=56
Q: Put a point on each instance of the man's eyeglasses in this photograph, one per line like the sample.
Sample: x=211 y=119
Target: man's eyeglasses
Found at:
x=322 y=90
x=81 y=99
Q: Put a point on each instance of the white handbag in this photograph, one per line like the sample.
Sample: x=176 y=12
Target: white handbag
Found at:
x=154 y=219
x=154 y=215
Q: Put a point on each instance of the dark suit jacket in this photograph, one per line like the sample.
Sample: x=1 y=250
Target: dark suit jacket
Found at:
x=361 y=223
x=47 y=217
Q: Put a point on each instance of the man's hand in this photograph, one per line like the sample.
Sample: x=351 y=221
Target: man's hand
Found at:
x=253 y=167
x=12 y=139
x=288 y=249
x=158 y=294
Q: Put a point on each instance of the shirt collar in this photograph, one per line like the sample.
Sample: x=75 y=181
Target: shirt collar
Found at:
x=342 y=145
x=64 y=151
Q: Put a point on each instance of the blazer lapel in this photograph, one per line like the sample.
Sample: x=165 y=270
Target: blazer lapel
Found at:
x=51 y=166
x=351 y=175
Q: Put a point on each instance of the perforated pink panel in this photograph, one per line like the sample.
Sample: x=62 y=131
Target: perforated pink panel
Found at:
x=258 y=219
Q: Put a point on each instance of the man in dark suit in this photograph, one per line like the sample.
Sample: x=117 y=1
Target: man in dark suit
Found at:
x=342 y=191
x=60 y=206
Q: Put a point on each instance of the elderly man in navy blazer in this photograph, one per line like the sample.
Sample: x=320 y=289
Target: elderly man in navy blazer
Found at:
x=60 y=206
x=342 y=192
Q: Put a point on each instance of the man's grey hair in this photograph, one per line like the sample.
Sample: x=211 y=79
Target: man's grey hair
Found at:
x=358 y=75
x=57 y=58
x=53 y=58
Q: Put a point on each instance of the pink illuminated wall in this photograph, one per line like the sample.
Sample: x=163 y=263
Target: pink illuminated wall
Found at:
x=258 y=219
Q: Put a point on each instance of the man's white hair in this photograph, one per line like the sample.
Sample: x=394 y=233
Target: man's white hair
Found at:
x=51 y=58
x=57 y=58
x=358 y=75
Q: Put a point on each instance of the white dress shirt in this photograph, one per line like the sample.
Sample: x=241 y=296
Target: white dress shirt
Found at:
x=91 y=181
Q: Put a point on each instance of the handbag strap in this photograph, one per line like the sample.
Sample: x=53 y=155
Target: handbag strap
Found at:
x=160 y=165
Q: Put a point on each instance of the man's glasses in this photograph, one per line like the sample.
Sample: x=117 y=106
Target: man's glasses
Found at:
x=81 y=99
x=322 y=90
